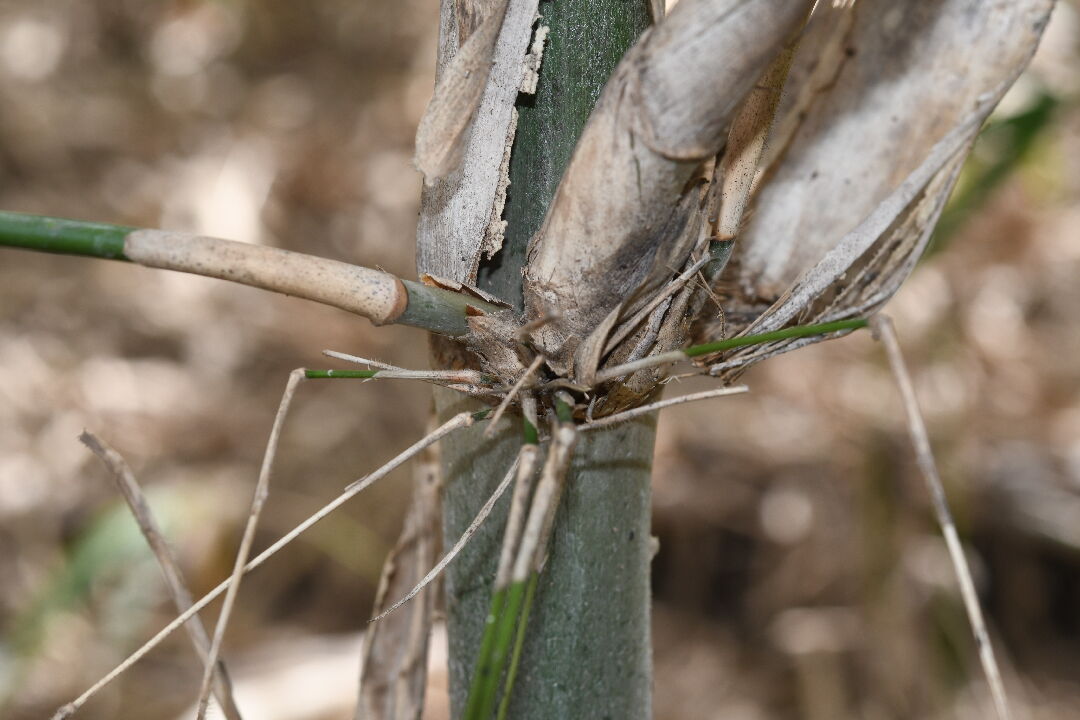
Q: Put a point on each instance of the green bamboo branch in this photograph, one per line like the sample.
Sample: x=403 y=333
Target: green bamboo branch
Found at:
x=374 y=294
x=797 y=331
x=674 y=356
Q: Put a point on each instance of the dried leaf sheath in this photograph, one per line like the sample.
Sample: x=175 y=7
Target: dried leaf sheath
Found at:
x=440 y=137
x=872 y=89
x=664 y=111
x=456 y=208
x=393 y=674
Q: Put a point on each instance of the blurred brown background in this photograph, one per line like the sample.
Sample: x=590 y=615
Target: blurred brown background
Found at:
x=800 y=573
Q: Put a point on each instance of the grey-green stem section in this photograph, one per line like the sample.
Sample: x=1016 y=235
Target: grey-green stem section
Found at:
x=587 y=651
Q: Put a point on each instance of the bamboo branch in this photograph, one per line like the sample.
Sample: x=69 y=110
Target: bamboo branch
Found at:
x=374 y=294
x=674 y=356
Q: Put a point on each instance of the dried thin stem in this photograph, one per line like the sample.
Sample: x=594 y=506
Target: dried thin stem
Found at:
x=393 y=668
x=670 y=289
x=262 y=490
x=884 y=331
x=660 y=405
x=764 y=353
x=507 y=602
x=392 y=372
x=359 y=360
x=481 y=516
x=665 y=358
x=519 y=502
x=512 y=393
x=384 y=370
x=457 y=422
x=174 y=579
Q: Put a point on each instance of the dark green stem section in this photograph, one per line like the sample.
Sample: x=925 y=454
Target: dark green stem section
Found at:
x=798 y=331
x=719 y=254
x=485 y=681
x=66 y=237
x=586 y=42
x=488 y=674
x=586 y=652
x=441 y=311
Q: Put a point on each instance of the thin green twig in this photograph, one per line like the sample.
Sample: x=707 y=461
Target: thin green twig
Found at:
x=674 y=356
x=798 y=331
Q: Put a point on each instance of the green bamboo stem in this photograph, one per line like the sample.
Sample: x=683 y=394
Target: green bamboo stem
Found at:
x=587 y=651
x=505 y=606
x=374 y=294
x=485 y=677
